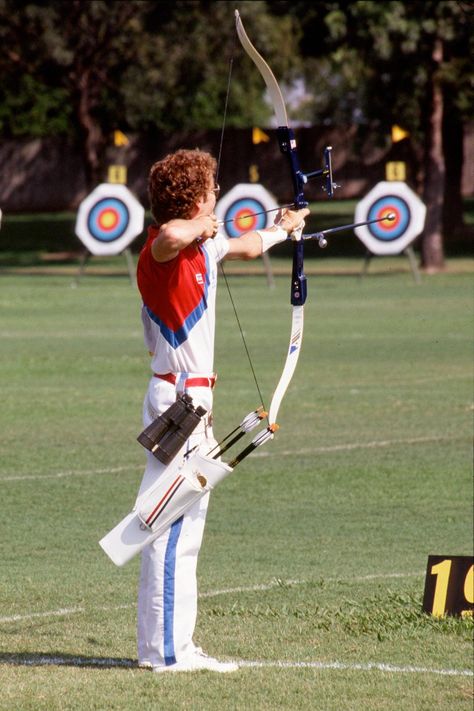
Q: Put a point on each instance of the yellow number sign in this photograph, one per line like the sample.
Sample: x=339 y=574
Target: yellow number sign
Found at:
x=449 y=586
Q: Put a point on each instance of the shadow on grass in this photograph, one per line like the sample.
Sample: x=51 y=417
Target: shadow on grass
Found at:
x=38 y=659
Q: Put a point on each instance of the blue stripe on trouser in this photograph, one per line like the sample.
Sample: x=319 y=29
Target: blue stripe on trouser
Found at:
x=168 y=591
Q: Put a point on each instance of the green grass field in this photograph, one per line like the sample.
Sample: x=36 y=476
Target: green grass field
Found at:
x=313 y=564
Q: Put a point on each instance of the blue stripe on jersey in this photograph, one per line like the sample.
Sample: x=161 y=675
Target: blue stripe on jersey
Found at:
x=168 y=592
x=176 y=338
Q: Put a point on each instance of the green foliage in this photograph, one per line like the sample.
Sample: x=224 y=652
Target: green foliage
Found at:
x=144 y=64
x=379 y=56
x=136 y=64
x=32 y=109
x=386 y=615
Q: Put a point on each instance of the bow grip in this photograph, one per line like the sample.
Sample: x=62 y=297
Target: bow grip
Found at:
x=287 y=143
x=298 y=278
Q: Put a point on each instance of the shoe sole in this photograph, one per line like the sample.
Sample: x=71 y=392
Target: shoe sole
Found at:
x=176 y=668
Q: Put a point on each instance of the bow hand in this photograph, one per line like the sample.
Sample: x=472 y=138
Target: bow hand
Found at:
x=297 y=234
x=291 y=220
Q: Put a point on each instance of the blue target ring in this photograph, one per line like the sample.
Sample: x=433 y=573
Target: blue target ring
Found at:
x=388 y=231
x=243 y=216
x=108 y=219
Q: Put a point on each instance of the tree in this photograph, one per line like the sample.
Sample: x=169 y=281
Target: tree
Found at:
x=387 y=62
x=67 y=55
x=83 y=67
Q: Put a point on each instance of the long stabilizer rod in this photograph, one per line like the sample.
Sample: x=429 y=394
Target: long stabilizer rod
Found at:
x=320 y=236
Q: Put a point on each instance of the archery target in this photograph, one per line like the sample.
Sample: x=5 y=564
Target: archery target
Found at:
x=390 y=237
x=109 y=219
x=244 y=209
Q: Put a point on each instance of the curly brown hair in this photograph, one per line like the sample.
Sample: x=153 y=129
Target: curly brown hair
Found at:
x=177 y=182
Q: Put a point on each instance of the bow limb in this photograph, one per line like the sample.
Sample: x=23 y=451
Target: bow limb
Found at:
x=287 y=142
x=296 y=338
x=286 y=137
x=265 y=71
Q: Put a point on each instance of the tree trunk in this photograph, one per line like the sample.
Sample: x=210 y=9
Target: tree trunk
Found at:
x=94 y=141
x=432 y=253
x=453 y=148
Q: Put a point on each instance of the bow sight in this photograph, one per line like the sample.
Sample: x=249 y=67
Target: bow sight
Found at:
x=287 y=143
x=329 y=186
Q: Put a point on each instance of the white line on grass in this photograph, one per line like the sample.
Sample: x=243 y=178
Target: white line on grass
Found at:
x=45 y=660
x=211 y=593
x=285 y=453
x=284 y=583
x=319 y=666
x=62 y=612
x=346 y=666
x=48 y=613
x=358 y=445
x=60 y=475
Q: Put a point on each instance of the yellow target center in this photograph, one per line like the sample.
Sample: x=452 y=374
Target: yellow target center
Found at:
x=245 y=221
x=108 y=219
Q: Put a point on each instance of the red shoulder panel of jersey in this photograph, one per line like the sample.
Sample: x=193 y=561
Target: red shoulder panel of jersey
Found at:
x=174 y=292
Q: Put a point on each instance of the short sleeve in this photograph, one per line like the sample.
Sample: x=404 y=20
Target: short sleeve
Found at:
x=217 y=247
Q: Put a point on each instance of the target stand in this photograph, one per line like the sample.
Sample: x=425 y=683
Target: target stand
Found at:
x=409 y=252
x=85 y=258
x=243 y=209
x=108 y=220
x=394 y=236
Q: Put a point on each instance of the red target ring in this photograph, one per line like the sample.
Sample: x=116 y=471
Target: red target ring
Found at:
x=108 y=220
x=246 y=207
x=386 y=212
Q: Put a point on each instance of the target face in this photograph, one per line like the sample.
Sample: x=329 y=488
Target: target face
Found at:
x=390 y=237
x=109 y=219
x=244 y=208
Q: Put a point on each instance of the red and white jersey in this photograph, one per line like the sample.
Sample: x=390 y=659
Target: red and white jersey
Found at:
x=179 y=305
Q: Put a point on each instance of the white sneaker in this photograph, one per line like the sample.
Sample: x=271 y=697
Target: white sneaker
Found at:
x=196 y=661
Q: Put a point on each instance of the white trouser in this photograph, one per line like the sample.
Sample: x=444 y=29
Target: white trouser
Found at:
x=167 y=595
